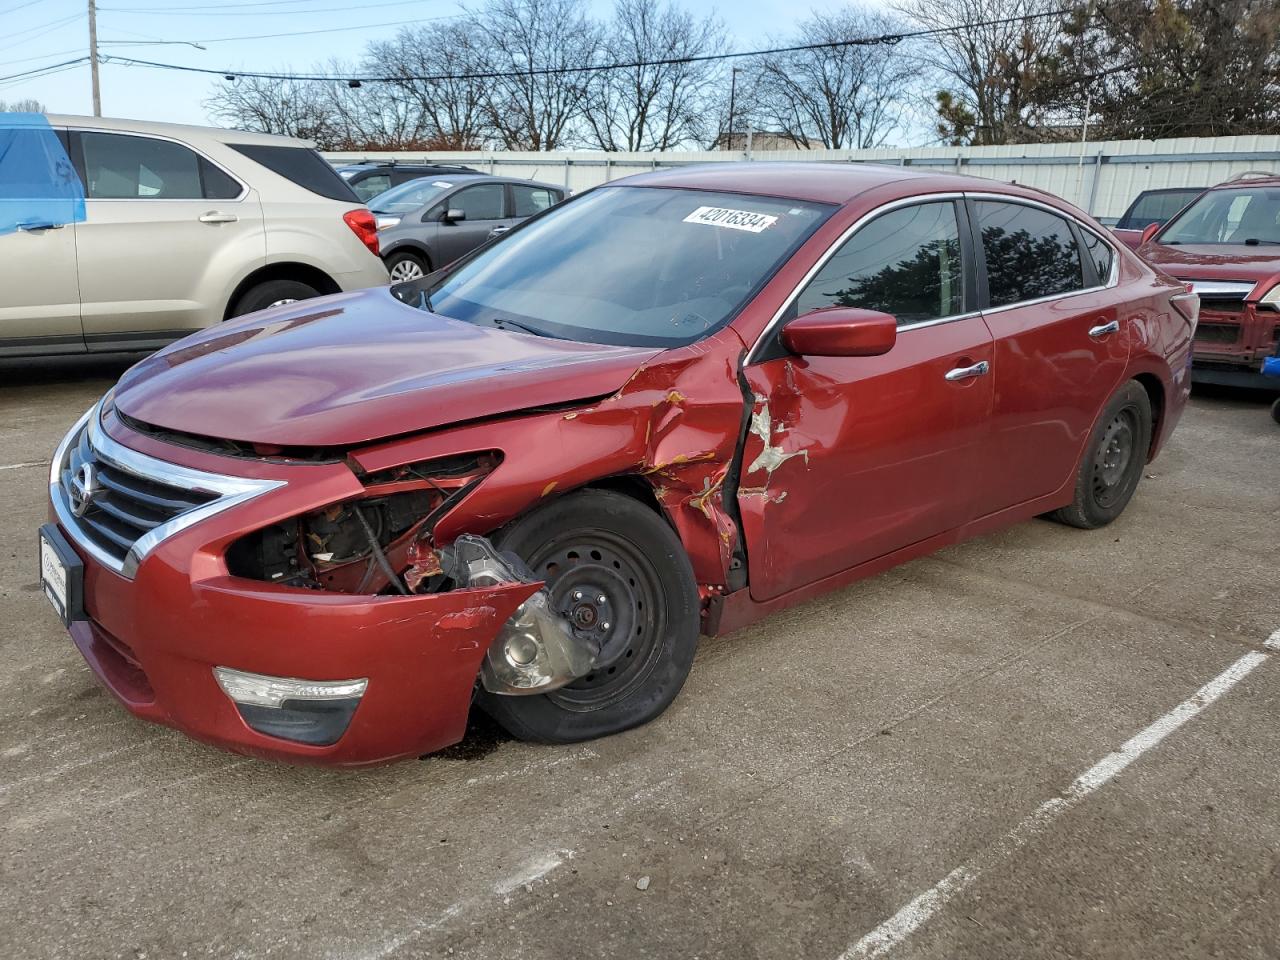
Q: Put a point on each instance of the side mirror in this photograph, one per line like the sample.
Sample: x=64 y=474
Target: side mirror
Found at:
x=1149 y=231
x=453 y=215
x=841 y=332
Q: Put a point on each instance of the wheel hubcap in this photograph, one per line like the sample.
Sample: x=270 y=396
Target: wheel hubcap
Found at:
x=406 y=270
x=1114 y=457
x=608 y=592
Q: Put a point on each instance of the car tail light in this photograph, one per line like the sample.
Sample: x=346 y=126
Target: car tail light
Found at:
x=1187 y=304
x=365 y=226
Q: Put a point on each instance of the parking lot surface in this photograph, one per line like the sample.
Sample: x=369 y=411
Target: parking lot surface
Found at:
x=1044 y=743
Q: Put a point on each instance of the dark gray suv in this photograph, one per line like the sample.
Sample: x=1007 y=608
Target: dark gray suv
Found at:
x=427 y=223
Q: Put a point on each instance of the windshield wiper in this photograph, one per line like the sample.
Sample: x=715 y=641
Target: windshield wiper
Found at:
x=1254 y=241
x=500 y=322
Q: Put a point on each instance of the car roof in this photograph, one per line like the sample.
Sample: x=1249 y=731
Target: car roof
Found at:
x=489 y=178
x=820 y=182
x=1245 y=180
x=177 y=131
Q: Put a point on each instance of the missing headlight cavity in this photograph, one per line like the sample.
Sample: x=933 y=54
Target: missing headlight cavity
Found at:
x=373 y=544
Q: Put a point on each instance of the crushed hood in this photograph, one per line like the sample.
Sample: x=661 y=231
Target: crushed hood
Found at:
x=1260 y=264
x=358 y=367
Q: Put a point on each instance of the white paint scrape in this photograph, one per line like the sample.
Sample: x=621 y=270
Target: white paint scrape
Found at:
x=915 y=914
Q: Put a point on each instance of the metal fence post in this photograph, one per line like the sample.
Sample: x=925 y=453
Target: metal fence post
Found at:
x=566 y=173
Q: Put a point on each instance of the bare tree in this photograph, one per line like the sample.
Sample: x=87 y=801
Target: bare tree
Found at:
x=985 y=71
x=452 y=109
x=22 y=106
x=533 y=44
x=292 y=108
x=836 y=94
x=653 y=106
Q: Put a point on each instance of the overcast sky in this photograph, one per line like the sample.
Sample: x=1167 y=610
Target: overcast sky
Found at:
x=37 y=33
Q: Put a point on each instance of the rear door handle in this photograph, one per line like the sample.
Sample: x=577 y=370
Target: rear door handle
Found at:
x=213 y=216
x=30 y=227
x=498 y=231
x=1105 y=330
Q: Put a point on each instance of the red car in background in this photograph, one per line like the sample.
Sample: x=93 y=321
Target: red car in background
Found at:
x=667 y=407
x=1152 y=206
x=1226 y=245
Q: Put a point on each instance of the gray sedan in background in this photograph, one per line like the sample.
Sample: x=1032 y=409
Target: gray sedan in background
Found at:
x=427 y=223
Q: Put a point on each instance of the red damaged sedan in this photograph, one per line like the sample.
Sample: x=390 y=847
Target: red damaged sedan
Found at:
x=530 y=480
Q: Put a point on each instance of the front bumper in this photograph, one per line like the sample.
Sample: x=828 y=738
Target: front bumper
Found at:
x=153 y=638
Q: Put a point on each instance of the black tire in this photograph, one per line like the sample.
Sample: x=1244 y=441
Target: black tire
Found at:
x=1275 y=411
x=272 y=292
x=406 y=260
x=1113 y=461
x=631 y=561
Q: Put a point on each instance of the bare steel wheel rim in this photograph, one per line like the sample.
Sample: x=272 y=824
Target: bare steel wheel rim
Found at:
x=1113 y=462
x=609 y=591
x=406 y=270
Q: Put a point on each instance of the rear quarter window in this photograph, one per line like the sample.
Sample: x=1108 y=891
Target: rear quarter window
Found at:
x=300 y=165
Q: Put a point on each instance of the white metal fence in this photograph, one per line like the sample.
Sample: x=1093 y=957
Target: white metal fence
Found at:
x=1101 y=177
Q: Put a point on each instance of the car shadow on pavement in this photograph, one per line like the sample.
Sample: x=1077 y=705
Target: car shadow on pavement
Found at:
x=30 y=371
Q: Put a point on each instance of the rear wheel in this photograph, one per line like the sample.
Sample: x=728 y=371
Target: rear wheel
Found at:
x=273 y=293
x=1275 y=411
x=404 y=265
x=620 y=576
x=1113 y=462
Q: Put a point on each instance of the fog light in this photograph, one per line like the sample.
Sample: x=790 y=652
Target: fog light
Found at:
x=316 y=712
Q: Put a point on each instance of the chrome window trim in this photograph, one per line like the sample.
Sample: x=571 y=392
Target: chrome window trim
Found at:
x=776 y=320
x=244 y=187
x=231 y=490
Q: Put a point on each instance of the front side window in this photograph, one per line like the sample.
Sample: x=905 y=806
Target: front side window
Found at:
x=1030 y=253
x=481 y=202
x=118 y=167
x=905 y=262
x=642 y=266
x=1247 y=215
x=531 y=200
x=1156 y=206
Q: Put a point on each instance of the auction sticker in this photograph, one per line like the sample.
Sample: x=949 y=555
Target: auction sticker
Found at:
x=733 y=219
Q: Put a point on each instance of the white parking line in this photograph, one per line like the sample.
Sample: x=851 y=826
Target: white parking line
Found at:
x=29 y=463
x=915 y=914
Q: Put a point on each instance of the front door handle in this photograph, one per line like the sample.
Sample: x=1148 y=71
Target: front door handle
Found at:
x=498 y=231
x=979 y=369
x=30 y=227
x=213 y=216
x=1105 y=329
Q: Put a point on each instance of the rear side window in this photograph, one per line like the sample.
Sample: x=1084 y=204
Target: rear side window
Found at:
x=481 y=202
x=906 y=262
x=119 y=166
x=302 y=166
x=1030 y=253
x=1099 y=251
x=531 y=200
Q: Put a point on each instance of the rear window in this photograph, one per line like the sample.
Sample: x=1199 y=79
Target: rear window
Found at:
x=301 y=165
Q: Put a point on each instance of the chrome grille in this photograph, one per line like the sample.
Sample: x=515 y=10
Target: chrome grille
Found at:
x=118 y=504
x=117 y=508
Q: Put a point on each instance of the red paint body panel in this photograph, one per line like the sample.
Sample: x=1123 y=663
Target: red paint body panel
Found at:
x=358 y=367
x=865 y=462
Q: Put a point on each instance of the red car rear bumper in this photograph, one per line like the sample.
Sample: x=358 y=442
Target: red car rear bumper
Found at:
x=154 y=641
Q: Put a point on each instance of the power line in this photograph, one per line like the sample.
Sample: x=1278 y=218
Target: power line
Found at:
x=221 y=11
x=306 y=33
x=885 y=39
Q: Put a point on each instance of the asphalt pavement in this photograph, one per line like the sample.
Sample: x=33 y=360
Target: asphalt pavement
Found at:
x=1046 y=743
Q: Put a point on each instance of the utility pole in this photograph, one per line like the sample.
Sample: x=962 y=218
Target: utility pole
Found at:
x=733 y=89
x=93 y=57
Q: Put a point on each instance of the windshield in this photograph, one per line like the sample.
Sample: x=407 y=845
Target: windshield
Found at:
x=1248 y=215
x=630 y=265
x=409 y=196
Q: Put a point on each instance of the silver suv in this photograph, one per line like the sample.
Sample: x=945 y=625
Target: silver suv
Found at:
x=174 y=228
